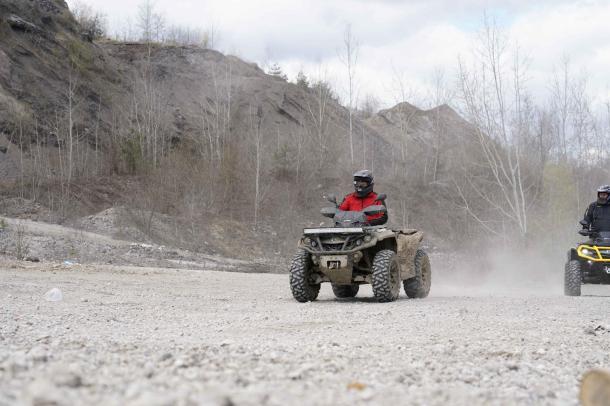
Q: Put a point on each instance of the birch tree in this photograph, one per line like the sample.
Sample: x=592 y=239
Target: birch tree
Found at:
x=561 y=104
x=349 y=58
x=442 y=94
x=403 y=94
x=256 y=126
x=494 y=97
x=318 y=107
x=146 y=19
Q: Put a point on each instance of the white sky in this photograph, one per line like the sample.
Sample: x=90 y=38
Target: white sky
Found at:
x=411 y=39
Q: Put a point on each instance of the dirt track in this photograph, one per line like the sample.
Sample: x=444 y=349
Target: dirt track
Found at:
x=158 y=336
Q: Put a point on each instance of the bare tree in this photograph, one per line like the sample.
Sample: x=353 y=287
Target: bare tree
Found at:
x=149 y=115
x=93 y=23
x=158 y=27
x=369 y=106
x=215 y=111
x=583 y=123
x=318 y=112
x=349 y=57
x=442 y=95
x=150 y=23
x=145 y=20
x=494 y=99
x=179 y=35
x=72 y=82
x=561 y=104
x=403 y=96
x=256 y=126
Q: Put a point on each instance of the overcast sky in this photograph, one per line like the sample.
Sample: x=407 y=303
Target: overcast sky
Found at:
x=408 y=39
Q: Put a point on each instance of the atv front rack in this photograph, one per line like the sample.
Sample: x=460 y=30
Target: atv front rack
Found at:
x=594 y=253
x=332 y=230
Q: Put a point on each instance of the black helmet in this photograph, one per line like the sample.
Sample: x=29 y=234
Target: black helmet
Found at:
x=603 y=189
x=363 y=176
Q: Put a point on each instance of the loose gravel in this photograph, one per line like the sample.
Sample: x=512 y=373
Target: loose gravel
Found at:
x=154 y=336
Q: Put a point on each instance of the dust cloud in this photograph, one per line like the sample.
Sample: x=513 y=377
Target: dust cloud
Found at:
x=499 y=271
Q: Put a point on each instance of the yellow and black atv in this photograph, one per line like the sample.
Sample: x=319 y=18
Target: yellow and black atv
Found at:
x=589 y=262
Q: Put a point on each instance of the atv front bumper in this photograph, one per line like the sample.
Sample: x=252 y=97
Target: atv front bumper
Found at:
x=595 y=262
x=593 y=253
x=595 y=272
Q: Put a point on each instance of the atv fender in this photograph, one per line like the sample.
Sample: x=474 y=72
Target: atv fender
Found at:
x=573 y=255
x=408 y=241
x=386 y=239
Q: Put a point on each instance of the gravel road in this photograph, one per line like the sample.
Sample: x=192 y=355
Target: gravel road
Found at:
x=153 y=336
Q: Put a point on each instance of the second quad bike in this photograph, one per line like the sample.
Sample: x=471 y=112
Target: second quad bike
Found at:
x=353 y=253
x=588 y=262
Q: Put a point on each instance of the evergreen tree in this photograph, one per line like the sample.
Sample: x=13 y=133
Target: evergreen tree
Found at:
x=276 y=70
x=302 y=80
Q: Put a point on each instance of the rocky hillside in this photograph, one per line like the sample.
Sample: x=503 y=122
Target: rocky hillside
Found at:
x=42 y=53
x=45 y=61
x=440 y=134
x=195 y=135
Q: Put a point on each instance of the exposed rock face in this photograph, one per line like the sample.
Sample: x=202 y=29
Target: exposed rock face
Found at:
x=19 y=24
x=5 y=67
x=40 y=50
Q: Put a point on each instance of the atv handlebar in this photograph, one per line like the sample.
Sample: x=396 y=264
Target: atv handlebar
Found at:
x=369 y=211
x=375 y=209
x=329 y=212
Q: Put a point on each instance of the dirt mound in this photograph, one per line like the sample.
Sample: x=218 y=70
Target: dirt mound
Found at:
x=39 y=241
x=20 y=208
x=114 y=222
x=214 y=236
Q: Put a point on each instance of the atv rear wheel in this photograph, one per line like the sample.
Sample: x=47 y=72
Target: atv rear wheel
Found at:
x=573 y=278
x=386 y=276
x=302 y=288
x=343 y=291
x=419 y=285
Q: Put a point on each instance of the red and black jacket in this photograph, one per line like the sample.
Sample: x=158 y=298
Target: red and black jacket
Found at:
x=353 y=202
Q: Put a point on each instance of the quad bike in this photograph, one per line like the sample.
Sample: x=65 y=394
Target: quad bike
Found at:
x=589 y=262
x=353 y=253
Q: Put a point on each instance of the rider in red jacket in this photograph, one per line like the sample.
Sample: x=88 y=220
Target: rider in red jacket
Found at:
x=364 y=197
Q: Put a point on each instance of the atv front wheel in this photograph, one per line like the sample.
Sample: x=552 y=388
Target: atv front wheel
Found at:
x=386 y=276
x=419 y=285
x=572 y=279
x=344 y=291
x=300 y=278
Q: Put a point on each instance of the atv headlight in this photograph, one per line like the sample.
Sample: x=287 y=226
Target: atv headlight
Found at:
x=586 y=251
x=367 y=238
x=359 y=242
